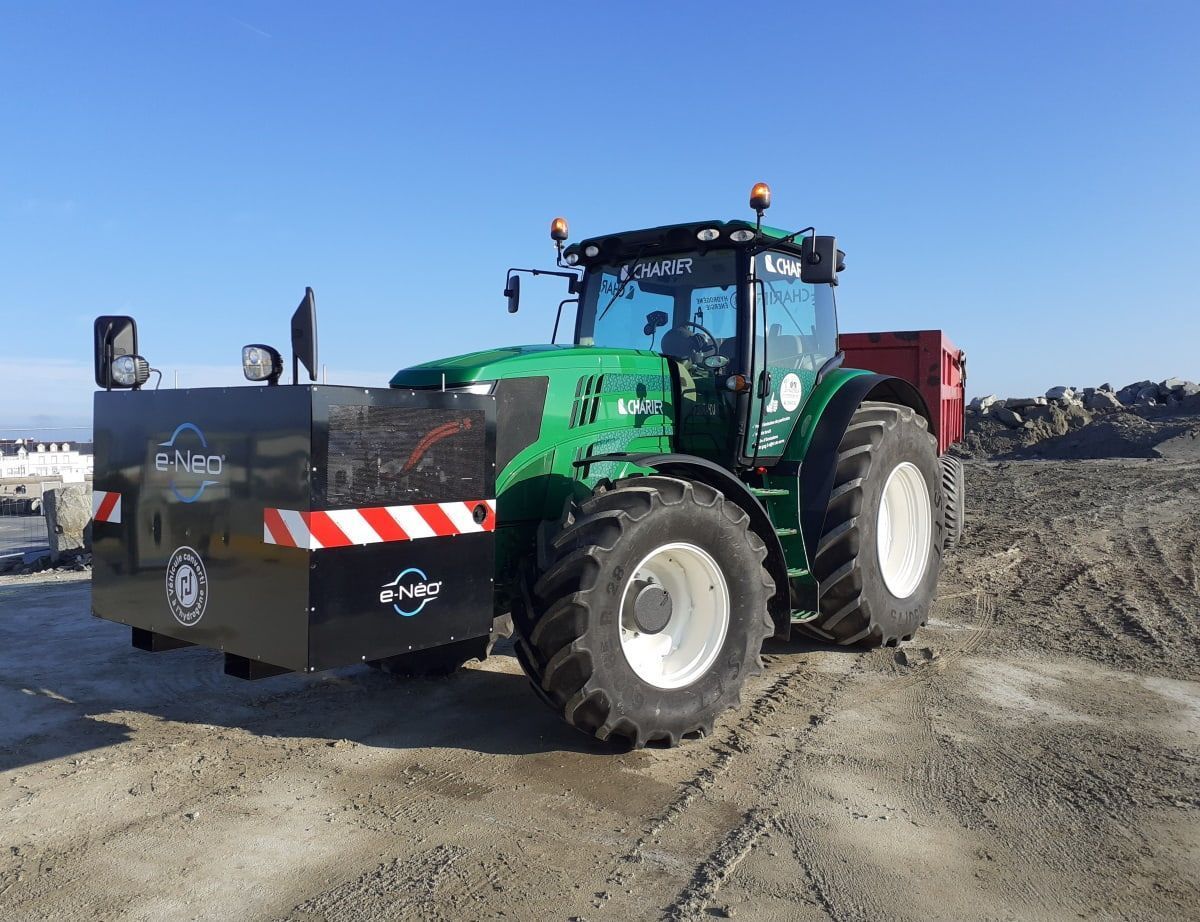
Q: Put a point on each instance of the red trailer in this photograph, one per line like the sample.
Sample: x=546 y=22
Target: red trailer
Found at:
x=929 y=360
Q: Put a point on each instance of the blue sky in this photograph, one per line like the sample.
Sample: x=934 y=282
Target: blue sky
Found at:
x=1022 y=175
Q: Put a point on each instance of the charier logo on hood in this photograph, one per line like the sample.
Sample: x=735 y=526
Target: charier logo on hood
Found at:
x=639 y=406
x=409 y=592
x=187 y=460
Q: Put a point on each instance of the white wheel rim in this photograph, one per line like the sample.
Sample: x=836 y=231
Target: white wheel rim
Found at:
x=684 y=650
x=905 y=529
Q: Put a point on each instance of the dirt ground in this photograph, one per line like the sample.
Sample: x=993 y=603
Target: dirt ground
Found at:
x=1033 y=754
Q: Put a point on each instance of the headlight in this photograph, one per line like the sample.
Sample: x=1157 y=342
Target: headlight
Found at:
x=479 y=387
x=707 y=233
x=572 y=259
x=591 y=251
x=261 y=363
x=130 y=371
x=742 y=236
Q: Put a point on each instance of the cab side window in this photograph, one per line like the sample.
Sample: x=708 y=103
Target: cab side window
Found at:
x=801 y=319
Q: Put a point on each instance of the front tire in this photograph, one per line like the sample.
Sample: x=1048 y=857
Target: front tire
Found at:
x=881 y=546
x=651 y=612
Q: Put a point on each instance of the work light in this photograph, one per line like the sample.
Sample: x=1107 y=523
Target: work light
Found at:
x=591 y=251
x=742 y=235
x=707 y=233
x=261 y=363
x=130 y=371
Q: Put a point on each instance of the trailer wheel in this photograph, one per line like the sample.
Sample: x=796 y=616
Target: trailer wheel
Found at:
x=447 y=658
x=953 y=485
x=650 y=614
x=881 y=545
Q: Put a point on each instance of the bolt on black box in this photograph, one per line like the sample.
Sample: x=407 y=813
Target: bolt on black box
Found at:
x=302 y=527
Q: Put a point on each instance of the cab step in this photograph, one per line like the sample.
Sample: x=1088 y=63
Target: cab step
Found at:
x=802 y=617
x=786 y=532
x=796 y=572
x=769 y=491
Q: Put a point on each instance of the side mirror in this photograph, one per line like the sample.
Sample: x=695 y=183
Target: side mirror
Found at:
x=304 y=336
x=819 y=260
x=513 y=293
x=114 y=337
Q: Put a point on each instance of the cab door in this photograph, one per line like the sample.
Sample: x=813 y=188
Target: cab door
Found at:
x=795 y=333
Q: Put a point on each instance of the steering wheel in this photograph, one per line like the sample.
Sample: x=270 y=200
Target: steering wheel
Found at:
x=702 y=350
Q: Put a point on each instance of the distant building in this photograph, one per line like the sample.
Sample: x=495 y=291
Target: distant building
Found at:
x=70 y=462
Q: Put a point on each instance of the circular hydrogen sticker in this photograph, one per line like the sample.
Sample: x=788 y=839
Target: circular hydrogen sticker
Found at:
x=187 y=586
x=790 y=391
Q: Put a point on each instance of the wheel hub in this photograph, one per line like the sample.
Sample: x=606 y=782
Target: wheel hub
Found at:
x=651 y=607
x=674 y=615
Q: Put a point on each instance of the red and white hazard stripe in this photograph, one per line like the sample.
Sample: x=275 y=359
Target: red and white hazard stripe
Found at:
x=376 y=525
x=106 y=506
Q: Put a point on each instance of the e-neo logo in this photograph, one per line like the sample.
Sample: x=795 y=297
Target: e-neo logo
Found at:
x=193 y=470
x=409 y=592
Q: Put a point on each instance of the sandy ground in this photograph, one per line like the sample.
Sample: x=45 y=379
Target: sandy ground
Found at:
x=1033 y=754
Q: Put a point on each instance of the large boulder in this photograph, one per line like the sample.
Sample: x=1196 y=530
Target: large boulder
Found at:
x=1076 y=416
x=983 y=404
x=1060 y=393
x=1009 y=417
x=1102 y=402
x=1128 y=395
x=1020 y=403
x=1050 y=419
x=1177 y=388
x=68 y=518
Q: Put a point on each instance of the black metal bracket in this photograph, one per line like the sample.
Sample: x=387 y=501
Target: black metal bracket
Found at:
x=153 y=642
x=241 y=667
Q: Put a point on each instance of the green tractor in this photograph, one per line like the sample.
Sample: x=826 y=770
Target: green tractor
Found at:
x=694 y=473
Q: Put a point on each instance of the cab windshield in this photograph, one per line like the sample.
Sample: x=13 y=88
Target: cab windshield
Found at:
x=683 y=305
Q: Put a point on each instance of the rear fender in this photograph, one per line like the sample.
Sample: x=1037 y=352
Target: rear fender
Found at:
x=812 y=454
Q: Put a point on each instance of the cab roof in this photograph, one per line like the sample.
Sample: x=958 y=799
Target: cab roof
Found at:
x=670 y=238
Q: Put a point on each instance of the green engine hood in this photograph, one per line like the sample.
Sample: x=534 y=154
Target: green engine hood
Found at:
x=505 y=362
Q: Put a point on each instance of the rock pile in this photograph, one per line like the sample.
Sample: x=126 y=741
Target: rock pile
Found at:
x=38 y=561
x=1064 y=408
x=1143 y=419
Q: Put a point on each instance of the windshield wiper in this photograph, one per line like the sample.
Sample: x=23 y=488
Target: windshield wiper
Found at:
x=625 y=281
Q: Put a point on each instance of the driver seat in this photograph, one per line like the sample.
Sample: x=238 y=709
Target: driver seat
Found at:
x=677 y=343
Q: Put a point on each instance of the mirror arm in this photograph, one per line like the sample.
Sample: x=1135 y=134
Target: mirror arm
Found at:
x=562 y=275
x=767 y=244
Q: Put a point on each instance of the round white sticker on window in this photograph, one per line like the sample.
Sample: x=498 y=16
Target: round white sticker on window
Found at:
x=790 y=392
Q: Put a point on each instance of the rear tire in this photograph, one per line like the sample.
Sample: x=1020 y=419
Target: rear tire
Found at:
x=650 y=614
x=953 y=485
x=881 y=545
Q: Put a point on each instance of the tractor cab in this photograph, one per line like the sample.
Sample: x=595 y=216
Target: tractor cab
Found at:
x=740 y=312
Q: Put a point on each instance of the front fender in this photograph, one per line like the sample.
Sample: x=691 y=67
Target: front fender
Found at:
x=690 y=467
